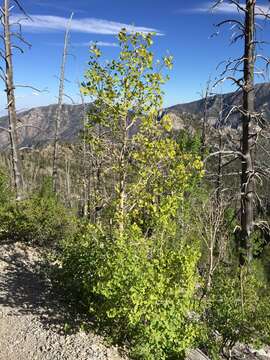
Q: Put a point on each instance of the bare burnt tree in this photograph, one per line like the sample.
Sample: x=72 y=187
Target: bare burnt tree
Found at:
x=85 y=165
x=241 y=71
x=219 y=170
x=7 y=76
x=59 y=107
x=247 y=176
x=205 y=96
x=214 y=236
x=216 y=133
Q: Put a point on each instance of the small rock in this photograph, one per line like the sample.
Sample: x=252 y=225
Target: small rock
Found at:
x=196 y=354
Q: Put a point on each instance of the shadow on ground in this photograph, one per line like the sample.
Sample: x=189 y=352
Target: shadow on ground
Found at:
x=25 y=289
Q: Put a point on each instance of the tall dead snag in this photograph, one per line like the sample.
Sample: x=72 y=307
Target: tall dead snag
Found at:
x=86 y=175
x=244 y=28
x=59 y=108
x=214 y=236
x=11 y=104
x=219 y=170
x=205 y=96
x=247 y=176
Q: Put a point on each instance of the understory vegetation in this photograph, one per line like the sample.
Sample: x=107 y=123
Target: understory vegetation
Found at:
x=38 y=220
x=150 y=241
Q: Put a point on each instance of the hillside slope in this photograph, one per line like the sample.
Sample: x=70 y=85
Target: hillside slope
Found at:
x=41 y=131
x=196 y=108
x=184 y=115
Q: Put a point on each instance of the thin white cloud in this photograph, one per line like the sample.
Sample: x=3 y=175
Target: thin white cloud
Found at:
x=86 y=44
x=223 y=8
x=55 y=6
x=99 y=43
x=41 y=23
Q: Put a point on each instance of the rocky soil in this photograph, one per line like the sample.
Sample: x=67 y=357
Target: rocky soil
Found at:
x=33 y=322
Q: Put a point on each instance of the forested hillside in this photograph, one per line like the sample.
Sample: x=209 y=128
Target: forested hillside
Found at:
x=130 y=229
x=262 y=105
x=186 y=115
x=39 y=131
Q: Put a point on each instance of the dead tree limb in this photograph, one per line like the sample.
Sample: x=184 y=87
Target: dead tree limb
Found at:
x=86 y=176
x=241 y=72
x=59 y=108
x=205 y=96
x=247 y=178
x=11 y=105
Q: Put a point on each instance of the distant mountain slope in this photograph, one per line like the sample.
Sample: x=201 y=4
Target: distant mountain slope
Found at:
x=42 y=121
x=184 y=115
x=262 y=103
x=41 y=129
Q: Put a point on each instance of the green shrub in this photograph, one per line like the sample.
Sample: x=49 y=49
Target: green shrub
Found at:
x=80 y=257
x=40 y=220
x=5 y=190
x=142 y=290
x=238 y=309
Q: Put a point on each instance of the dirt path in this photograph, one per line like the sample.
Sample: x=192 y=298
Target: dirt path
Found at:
x=32 y=318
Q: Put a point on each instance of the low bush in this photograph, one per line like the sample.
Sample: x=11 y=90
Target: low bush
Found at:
x=5 y=190
x=238 y=310
x=40 y=220
x=142 y=290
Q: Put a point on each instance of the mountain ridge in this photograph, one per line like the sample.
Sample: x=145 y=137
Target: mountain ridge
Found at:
x=39 y=121
x=228 y=100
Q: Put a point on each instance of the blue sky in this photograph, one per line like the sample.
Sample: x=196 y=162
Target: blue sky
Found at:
x=186 y=27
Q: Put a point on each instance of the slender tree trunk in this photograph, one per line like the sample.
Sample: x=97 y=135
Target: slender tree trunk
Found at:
x=98 y=185
x=68 y=180
x=219 y=167
x=122 y=177
x=122 y=191
x=247 y=176
x=86 y=175
x=12 y=116
x=219 y=171
x=205 y=120
x=59 y=109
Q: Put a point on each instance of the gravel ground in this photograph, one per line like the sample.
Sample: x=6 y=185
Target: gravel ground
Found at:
x=32 y=318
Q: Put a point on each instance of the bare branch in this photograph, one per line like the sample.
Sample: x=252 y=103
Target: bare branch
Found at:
x=4 y=129
x=22 y=9
x=32 y=87
x=70 y=98
x=60 y=103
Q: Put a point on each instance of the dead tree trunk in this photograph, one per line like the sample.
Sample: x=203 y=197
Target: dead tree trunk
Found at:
x=245 y=65
x=59 y=109
x=205 y=119
x=11 y=105
x=68 y=200
x=220 y=158
x=219 y=170
x=123 y=174
x=247 y=175
x=86 y=175
x=122 y=188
